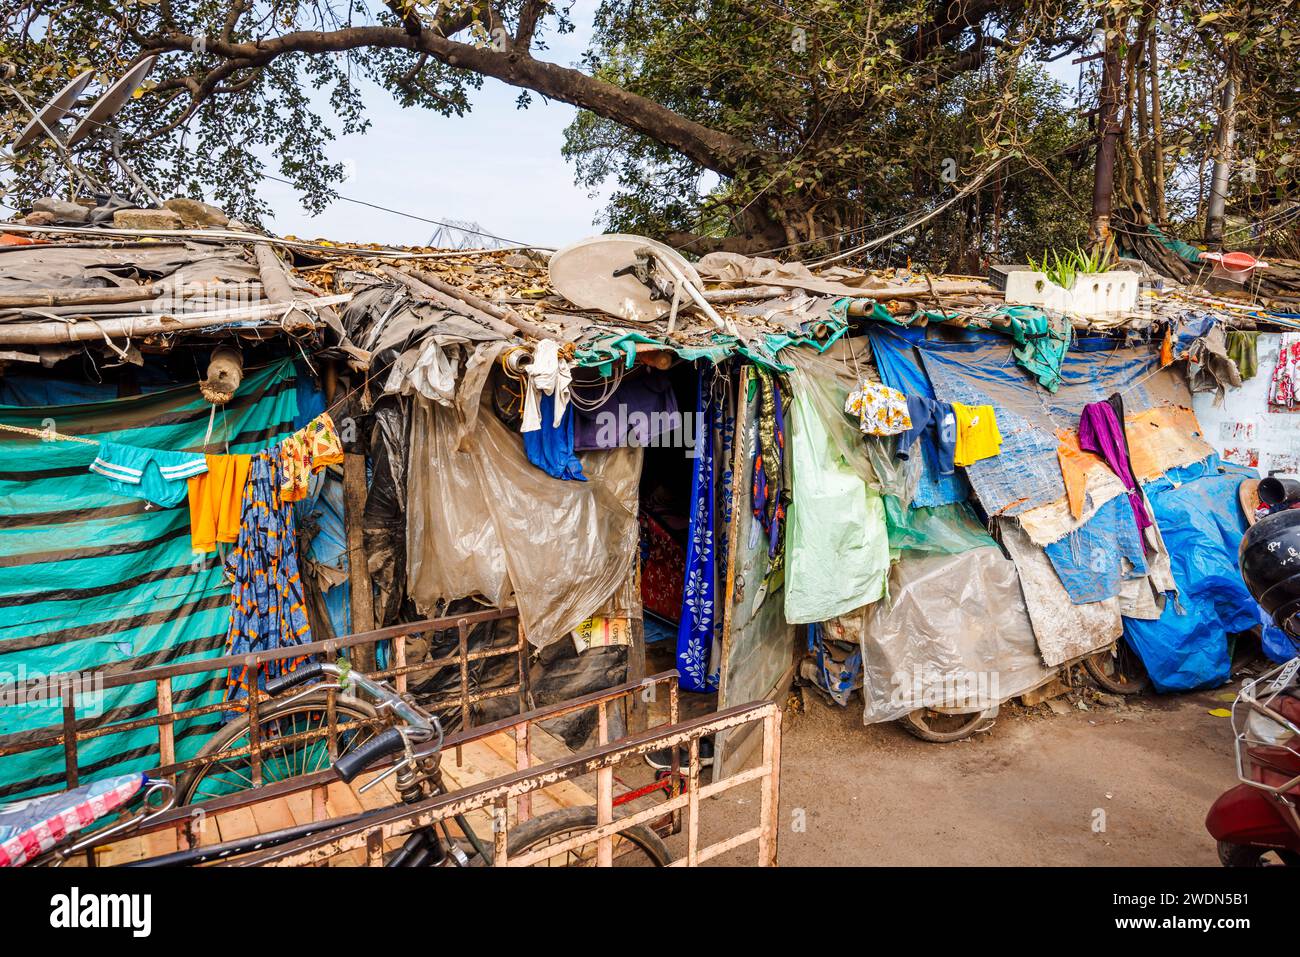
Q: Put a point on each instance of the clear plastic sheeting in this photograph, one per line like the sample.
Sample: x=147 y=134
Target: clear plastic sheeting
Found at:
x=486 y=521
x=946 y=529
x=955 y=630
x=837 y=545
x=824 y=380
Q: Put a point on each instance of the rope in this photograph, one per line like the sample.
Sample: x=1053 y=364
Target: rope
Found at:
x=46 y=435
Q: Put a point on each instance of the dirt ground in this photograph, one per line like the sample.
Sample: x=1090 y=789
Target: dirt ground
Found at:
x=1110 y=785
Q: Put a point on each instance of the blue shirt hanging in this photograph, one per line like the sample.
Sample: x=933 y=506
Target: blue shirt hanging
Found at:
x=550 y=448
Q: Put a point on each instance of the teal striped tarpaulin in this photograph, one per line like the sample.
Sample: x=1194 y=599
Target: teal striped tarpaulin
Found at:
x=92 y=580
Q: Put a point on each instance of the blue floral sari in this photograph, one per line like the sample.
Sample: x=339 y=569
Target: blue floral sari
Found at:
x=699 y=635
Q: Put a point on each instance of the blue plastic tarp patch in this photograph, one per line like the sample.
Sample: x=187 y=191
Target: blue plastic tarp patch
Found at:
x=1197 y=510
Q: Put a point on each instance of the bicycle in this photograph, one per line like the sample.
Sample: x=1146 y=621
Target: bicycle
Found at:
x=417 y=738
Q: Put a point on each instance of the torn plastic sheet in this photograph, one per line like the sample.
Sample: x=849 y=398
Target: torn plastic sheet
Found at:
x=485 y=521
x=954 y=631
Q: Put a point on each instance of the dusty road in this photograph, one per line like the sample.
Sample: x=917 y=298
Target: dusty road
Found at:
x=1126 y=785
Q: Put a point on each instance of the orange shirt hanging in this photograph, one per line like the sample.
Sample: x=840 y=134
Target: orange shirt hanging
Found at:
x=217 y=501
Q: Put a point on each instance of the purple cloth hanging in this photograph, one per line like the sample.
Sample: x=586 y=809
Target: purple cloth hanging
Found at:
x=1101 y=431
x=642 y=410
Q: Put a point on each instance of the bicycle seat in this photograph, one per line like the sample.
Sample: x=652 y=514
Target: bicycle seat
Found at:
x=30 y=828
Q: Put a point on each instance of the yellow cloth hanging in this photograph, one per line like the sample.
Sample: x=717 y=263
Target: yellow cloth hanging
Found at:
x=977 y=433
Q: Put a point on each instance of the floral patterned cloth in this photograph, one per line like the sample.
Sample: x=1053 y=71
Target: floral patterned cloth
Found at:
x=879 y=409
x=699 y=634
x=267 y=609
x=1284 y=388
x=306 y=452
x=769 y=495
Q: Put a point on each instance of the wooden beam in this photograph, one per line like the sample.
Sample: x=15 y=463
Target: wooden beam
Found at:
x=359 y=586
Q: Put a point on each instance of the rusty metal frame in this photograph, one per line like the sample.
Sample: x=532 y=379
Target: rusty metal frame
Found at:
x=371 y=833
x=72 y=732
x=183 y=819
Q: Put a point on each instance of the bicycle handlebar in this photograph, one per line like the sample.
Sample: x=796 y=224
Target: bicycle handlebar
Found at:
x=291 y=679
x=419 y=726
x=389 y=741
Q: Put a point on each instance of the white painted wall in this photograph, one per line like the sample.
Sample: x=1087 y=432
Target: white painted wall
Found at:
x=1244 y=430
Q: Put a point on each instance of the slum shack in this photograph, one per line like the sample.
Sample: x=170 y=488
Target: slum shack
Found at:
x=923 y=496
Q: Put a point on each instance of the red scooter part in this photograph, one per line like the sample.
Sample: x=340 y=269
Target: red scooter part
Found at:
x=1249 y=822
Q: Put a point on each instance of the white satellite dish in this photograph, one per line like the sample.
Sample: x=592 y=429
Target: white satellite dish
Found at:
x=112 y=100
x=631 y=277
x=49 y=115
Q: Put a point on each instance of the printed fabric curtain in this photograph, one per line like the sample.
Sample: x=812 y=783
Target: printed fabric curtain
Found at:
x=699 y=636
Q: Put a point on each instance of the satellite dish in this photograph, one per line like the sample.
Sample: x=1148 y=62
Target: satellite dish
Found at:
x=631 y=277
x=53 y=111
x=112 y=100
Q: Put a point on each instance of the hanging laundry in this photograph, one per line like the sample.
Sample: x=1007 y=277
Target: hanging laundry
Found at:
x=151 y=474
x=769 y=496
x=267 y=609
x=879 y=409
x=977 y=433
x=700 y=631
x=303 y=454
x=1243 y=350
x=1284 y=387
x=547 y=374
x=935 y=424
x=642 y=409
x=550 y=447
x=217 y=501
x=1101 y=430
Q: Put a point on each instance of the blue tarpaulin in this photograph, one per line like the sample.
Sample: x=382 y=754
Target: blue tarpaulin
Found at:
x=1197 y=510
x=980 y=369
x=896 y=359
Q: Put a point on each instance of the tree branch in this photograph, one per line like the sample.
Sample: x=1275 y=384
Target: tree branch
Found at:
x=709 y=148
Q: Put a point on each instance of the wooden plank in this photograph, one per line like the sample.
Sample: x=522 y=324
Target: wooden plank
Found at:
x=272 y=816
x=562 y=794
x=299 y=806
x=160 y=842
x=123 y=852
x=359 y=584
x=233 y=824
x=340 y=801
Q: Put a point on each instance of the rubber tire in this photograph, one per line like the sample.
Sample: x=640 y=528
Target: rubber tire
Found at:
x=978 y=721
x=238 y=726
x=1097 y=673
x=1244 y=855
x=572 y=819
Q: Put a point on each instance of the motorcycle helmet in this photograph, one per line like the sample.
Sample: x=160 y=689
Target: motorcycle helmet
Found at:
x=1270 y=565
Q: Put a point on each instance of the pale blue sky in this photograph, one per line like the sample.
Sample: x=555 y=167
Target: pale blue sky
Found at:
x=498 y=166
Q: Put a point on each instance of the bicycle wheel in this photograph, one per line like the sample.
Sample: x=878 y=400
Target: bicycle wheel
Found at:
x=1117 y=669
x=636 y=847
x=940 y=728
x=221 y=777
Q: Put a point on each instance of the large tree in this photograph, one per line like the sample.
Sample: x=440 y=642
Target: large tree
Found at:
x=755 y=125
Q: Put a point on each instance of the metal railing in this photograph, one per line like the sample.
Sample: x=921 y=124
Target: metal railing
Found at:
x=73 y=732
x=374 y=832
